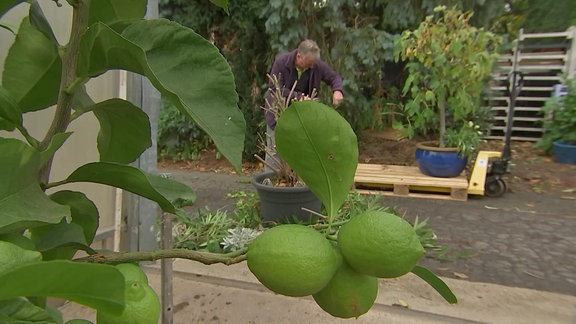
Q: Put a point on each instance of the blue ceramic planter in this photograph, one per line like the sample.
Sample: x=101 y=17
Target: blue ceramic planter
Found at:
x=564 y=153
x=439 y=162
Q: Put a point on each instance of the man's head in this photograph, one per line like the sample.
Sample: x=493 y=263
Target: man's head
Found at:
x=307 y=54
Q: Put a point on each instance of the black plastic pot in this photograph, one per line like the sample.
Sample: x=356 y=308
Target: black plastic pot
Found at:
x=284 y=204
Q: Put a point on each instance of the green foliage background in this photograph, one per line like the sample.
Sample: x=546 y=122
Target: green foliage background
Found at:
x=356 y=38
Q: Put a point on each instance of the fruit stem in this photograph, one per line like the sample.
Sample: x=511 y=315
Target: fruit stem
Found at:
x=320 y=226
x=332 y=237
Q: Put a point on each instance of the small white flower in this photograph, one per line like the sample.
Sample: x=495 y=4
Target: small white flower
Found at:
x=239 y=238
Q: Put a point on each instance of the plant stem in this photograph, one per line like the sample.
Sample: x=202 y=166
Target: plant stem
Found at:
x=334 y=224
x=53 y=184
x=69 y=63
x=31 y=140
x=442 y=112
x=202 y=257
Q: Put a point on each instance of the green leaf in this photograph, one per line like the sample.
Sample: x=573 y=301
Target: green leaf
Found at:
x=436 y=283
x=32 y=69
x=55 y=144
x=60 y=241
x=163 y=191
x=81 y=100
x=38 y=20
x=20 y=310
x=83 y=211
x=98 y=286
x=321 y=147
x=13 y=256
x=6 y=5
x=109 y=11
x=63 y=240
x=222 y=4
x=9 y=111
x=179 y=194
x=124 y=130
x=18 y=239
x=19 y=167
x=429 y=95
x=195 y=77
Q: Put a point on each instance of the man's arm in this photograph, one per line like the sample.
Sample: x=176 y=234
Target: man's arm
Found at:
x=330 y=76
x=333 y=79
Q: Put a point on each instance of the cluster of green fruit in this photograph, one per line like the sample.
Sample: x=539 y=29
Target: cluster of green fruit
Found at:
x=296 y=260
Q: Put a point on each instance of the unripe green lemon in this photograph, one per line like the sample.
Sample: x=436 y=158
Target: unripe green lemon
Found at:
x=142 y=306
x=293 y=260
x=132 y=272
x=380 y=244
x=348 y=294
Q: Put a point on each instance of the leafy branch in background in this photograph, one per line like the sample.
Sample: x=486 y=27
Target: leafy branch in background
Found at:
x=39 y=73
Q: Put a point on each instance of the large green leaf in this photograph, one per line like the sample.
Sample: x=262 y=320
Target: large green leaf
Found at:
x=98 y=286
x=32 y=69
x=165 y=192
x=186 y=68
x=83 y=210
x=321 y=147
x=19 y=167
x=124 y=130
x=109 y=11
x=10 y=115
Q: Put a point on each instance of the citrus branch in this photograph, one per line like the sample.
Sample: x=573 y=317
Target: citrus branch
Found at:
x=202 y=257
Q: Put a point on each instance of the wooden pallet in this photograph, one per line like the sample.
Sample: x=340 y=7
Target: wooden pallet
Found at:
x=407 y=181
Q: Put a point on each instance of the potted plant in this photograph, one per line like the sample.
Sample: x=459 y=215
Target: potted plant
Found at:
x=449 y=62
x=560 y=128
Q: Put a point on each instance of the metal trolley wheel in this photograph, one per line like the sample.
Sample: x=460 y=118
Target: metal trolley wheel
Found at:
x=495 y=188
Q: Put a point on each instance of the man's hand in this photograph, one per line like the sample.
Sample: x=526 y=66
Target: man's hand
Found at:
x=337 y=97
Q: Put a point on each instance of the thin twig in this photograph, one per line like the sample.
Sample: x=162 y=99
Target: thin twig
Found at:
x=266 y=163
x=202 y=257
x=314 y=212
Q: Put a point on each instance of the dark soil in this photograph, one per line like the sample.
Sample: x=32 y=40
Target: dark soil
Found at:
x=531 y=170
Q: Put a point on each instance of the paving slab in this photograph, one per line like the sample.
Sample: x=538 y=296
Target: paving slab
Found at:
x=231 y=294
